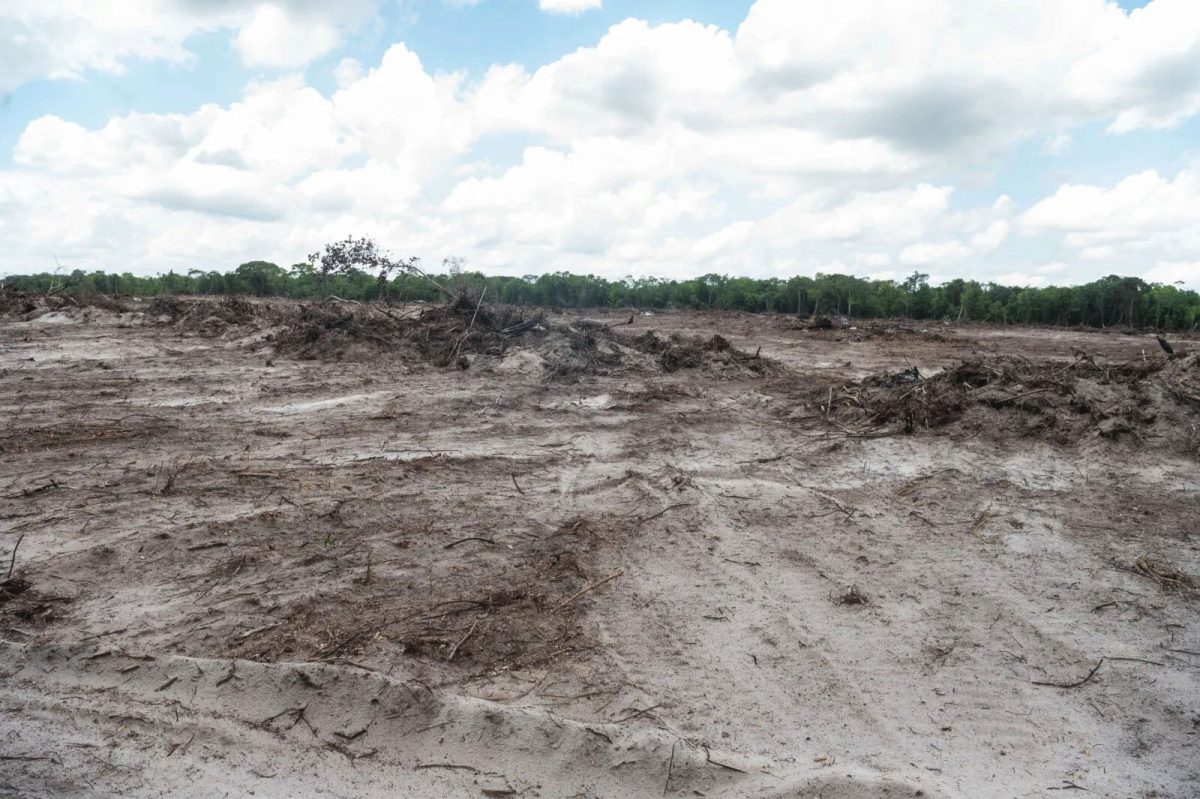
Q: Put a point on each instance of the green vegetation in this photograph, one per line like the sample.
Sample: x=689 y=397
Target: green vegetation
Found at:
x=1109 y=301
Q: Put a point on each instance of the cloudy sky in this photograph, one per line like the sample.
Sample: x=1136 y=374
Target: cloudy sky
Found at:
x=1022 y=141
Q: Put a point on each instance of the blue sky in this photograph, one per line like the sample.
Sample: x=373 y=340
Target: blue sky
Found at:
x=448 y=38
x=1034 y=142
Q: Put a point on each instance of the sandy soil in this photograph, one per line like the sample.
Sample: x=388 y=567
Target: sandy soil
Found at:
x=243 y=574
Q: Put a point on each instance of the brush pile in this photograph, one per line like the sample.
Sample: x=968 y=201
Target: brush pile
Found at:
x=30 y=305
x=1151 y=400
x=212 y=318
x=715 y=354
x=465 y=331
x=443 y=335
x=15 y=302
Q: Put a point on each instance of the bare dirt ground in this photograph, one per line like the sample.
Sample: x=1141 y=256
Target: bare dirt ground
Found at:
x=258 y=556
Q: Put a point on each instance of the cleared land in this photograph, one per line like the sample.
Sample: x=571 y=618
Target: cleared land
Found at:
x=489 y=552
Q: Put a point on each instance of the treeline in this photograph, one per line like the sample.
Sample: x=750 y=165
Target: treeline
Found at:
x=1109 y=301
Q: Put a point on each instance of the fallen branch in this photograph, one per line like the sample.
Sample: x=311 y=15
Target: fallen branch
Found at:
x=664 y=510
x=670 y=768
x=258 y=630
x=709 y=759
x=336 y=298
x=25 y=493
x=210 y=545
x=453 y=544
x=638 y=714
x=1138 y=660
x=848 y=511
x=1082 y=682
x=591 y=587
x=478 y=305
x=463 y=640
x=13 y=561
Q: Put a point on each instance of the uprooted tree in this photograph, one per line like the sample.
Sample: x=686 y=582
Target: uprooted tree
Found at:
x=344 y=257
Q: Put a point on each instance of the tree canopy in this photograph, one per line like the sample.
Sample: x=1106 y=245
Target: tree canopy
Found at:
x=1110 y=301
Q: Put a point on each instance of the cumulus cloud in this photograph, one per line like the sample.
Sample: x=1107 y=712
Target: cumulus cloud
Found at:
x=1141 y=209
x=274 y=38
x=569 y=6
x=928 y=253
x=992 y=237
x=1021 y=279
x=1185 y=272
x=65 y=38
x=811 y=138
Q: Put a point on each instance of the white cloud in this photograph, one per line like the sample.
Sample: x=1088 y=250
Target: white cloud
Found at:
x=1186 y=272
x=1020 y=279
x=1148 y=69
x=1058 y=144
x=992 y=237
x=939 y=253
x=66 y=38
x=931 y=75
x=275 y=38
x=1145 y=223
x=569 y=6
x=1139 y=208
x=348 y=71
x=809 y=139
x=1053 y=268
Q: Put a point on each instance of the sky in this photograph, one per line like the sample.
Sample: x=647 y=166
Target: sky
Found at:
x=1029 y=142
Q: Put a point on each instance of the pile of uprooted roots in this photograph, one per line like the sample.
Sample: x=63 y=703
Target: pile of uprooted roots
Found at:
x=29 y=305
x=212 y=317
x=1155 y=399
x=462 y=332
x=15 y=301
x=591 y=348
x=443 y=335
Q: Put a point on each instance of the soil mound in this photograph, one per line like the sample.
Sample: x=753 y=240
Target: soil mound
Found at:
x=1150 y=400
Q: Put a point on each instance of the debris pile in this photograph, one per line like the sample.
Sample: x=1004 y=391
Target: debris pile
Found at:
x=1155 y=399
x=104 y=302
x=31 y=305
x=715 y=354
x=211 y=318
x=13 y=301
x=840 y=328
x=443 y=335
x=584 y=348
x=1167 y=577
x=458 y=333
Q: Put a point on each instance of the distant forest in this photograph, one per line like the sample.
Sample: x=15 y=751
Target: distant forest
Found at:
x=1110 y=301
